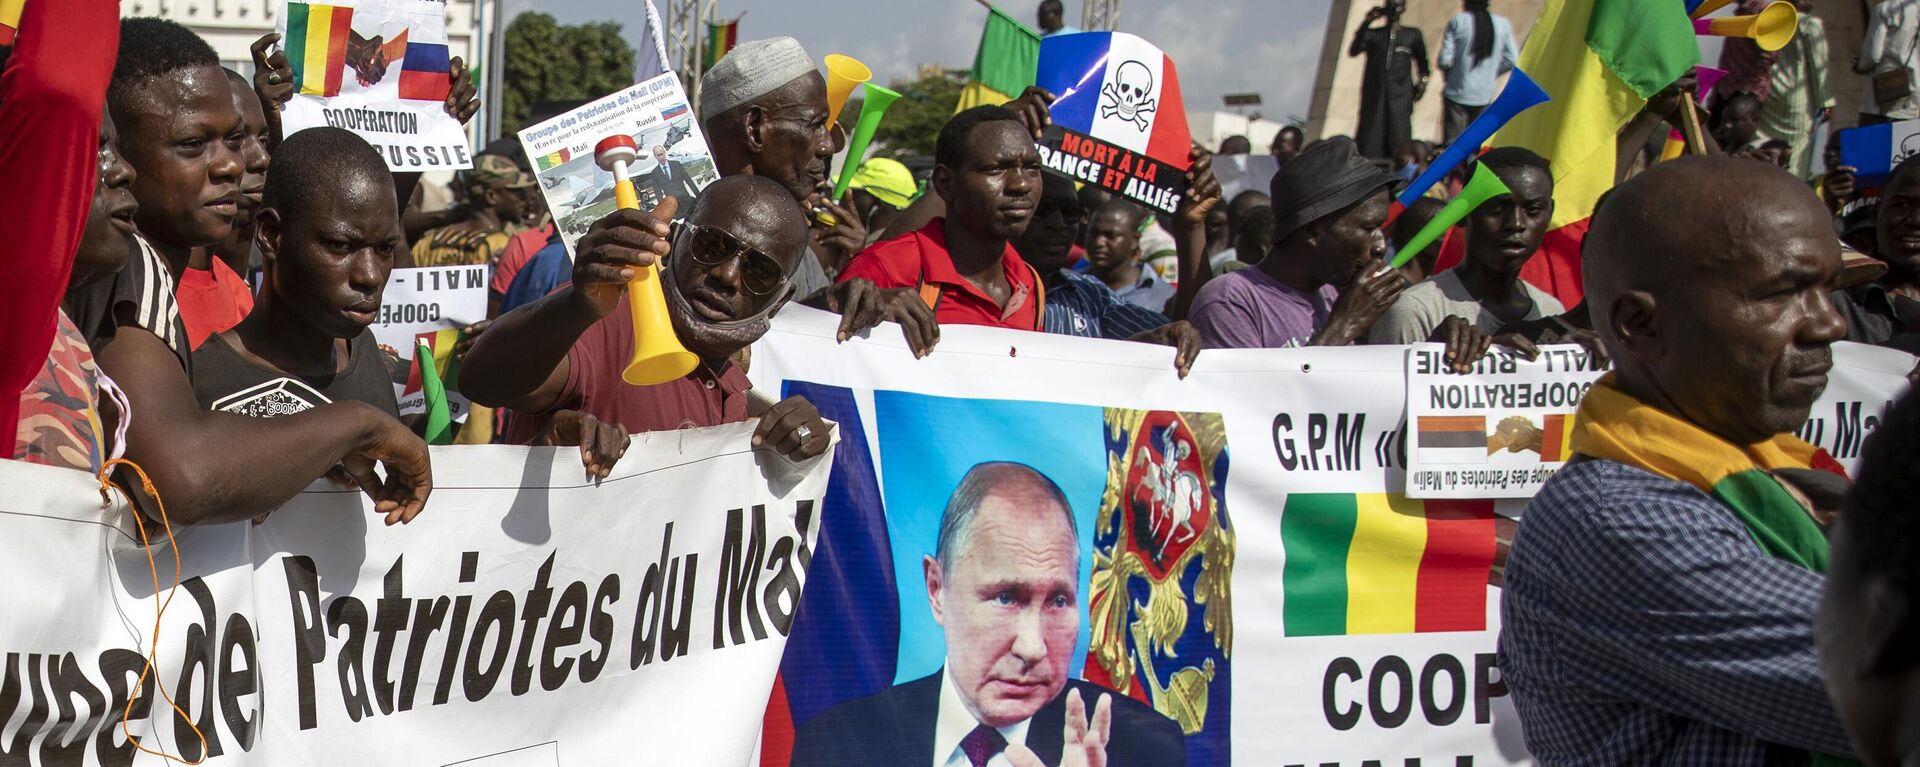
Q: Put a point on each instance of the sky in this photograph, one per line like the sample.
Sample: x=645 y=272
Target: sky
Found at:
x=1268 y=47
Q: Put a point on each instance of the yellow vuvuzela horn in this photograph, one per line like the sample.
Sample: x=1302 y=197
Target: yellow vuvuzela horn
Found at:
x=1771 y=29
x=658 y=356
x=844 y=73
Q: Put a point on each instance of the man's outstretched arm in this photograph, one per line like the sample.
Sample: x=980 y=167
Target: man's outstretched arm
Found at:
x=521 y=361
x=213 y=467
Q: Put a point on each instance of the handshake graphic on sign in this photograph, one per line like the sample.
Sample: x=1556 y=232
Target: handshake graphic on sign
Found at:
x=1515 y=433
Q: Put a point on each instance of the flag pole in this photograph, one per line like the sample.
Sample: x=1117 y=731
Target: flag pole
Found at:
x=1690 y=125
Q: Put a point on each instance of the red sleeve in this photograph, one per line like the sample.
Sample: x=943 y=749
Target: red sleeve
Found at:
x=885 y=264
x=519 y=250
x=51 y=98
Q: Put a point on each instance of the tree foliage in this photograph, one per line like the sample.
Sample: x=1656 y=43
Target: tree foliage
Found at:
x=549 y=61
x=913 y=122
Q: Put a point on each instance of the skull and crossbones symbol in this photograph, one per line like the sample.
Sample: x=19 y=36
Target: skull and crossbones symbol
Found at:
x=1127 y=95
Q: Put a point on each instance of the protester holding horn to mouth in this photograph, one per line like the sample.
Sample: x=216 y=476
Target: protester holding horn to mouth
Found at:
x=726 y=270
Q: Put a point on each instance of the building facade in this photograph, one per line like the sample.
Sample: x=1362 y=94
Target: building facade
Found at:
x=232 y=26
x=1335 y=108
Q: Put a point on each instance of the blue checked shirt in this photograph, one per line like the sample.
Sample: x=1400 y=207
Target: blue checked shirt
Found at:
x=1642 y=625
x=1084 y=306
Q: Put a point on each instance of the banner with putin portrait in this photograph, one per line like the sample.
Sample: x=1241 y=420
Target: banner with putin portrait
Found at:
x=1034 y=546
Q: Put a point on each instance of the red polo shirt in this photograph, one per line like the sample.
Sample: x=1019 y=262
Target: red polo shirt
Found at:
x=212 y=300
x=920 y=260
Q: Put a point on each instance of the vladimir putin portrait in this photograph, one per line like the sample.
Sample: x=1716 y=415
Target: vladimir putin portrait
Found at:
x=1003 y=583
x=670 y=178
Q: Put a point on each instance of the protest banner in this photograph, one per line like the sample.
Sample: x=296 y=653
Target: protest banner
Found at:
x=1873 y=150
x=431 y=304
x=1247 y=568
x=674 y=158
x=1498 y=432
x=1504 y=429
x=378 y=68
x=1864 y=383
x=1118 y=121
x=527 y=617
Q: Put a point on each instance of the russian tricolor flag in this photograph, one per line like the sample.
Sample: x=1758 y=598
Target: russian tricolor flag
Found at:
x=424 y=72
x=1118 y=88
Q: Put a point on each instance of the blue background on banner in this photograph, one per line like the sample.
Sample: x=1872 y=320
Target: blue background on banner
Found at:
x=928 y=443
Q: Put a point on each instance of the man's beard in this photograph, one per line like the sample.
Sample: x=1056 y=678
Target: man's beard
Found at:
x=711 y=340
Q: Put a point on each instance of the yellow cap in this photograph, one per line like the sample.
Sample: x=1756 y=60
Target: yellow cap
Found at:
x=887 y=180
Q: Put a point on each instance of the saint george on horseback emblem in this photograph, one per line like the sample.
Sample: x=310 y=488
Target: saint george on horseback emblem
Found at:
x=1161 y=610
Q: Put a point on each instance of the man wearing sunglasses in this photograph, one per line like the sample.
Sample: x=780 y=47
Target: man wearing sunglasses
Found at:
x=727 y=266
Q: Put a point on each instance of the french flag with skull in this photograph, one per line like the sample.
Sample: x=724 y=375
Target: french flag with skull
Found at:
x=1118 y=88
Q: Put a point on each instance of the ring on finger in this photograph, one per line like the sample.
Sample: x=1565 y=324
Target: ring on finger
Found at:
x=804 y=433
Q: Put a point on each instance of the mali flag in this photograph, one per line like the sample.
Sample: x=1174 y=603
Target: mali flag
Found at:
x=445 y=365
x=1557 y=438
x=720 y=39
x=1601 y=60
x=1006 y=63
x=316 y=46
x=1377 y=563
x=423 y=73
x=555 y=160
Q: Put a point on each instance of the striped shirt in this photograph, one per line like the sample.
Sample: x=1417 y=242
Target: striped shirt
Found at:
x=1084 y=306
x=1643 y=625
x=145 y=289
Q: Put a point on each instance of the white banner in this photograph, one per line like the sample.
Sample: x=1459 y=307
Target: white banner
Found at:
x=378 y=68
x=419 y=304
x=527 y=617
x=1252 y=574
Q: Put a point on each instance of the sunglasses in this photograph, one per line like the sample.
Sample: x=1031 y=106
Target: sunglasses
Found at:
x=760 y=274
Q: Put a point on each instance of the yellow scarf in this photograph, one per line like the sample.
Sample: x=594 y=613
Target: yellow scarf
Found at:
x=1613 y=425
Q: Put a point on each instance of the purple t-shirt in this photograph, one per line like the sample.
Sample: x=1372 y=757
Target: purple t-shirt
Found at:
x=1248 y=309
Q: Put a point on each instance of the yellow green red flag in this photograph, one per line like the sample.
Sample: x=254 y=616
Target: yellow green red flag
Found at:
x=316 y=46
x=720 y=39
x=1600 y=60
x=555 y=160
x=1006 y=63
x=1379 y=563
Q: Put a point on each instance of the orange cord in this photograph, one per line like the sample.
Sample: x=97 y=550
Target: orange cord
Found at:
x=153 y=647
